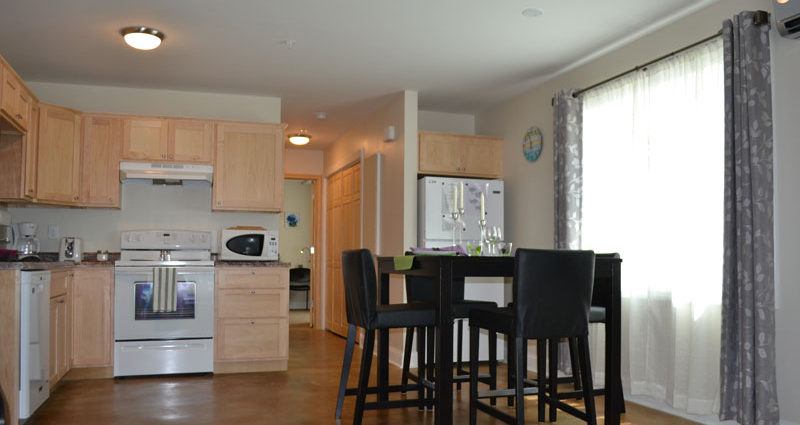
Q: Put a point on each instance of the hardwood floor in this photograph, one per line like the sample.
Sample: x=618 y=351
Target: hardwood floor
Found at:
x=306 y=394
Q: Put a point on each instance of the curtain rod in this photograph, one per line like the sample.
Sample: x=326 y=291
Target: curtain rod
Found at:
x=761 y=18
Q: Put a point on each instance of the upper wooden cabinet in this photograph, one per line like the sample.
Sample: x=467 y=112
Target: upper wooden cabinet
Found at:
x=31 y=155
x=460 y=155
x=100 y=146
x=248 y=167
x=190 y=140
x=144 y=138
x=167 y=139
x=59 y=161
x=15 y=99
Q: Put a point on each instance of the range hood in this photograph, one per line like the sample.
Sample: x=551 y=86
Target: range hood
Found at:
x=165 y=173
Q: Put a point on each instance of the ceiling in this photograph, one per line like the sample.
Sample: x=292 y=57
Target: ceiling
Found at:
x=345 y=57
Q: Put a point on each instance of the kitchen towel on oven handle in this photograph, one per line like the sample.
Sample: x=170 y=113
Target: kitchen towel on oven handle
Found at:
x=165 y=294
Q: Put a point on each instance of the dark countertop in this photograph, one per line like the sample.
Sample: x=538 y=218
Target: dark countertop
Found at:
x=220 y=263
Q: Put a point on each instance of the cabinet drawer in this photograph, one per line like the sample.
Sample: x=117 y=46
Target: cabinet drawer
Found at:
x=252 y=339
x=253 y=277
x=58 y=282
x=247 y=303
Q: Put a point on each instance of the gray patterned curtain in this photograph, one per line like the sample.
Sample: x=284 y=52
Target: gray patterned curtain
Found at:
x=567 y=157
x=748 y=390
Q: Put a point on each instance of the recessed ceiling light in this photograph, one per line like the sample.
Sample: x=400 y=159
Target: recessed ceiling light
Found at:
x=300 y=138
x=532 y=12
x=142 y=38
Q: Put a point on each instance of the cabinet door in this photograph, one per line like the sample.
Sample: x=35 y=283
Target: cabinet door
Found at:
x=251 y=303
x=92 y=317
x=252 y=339
x=248 y=168
x=439 y=154
x=24 y=104
x=190 y=141
x=144 y=139
x=483 y=157
x=59 y=357
x=31 y=153
x=58 y=167
x=102 y=137
x=9 y=102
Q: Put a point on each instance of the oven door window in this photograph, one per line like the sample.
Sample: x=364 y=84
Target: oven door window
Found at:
x=185 y=306
x=251 y=245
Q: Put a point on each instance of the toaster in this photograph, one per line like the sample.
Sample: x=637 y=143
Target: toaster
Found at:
x=71 y=249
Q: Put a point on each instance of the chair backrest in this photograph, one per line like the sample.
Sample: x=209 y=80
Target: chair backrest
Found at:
x=360 y=287
x=552 y=292
x=300 y=274
x=601 y=294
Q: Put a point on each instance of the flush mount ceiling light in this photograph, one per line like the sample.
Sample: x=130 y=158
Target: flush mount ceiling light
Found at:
x=532 y=12
x=142 y=38
x=300 y=138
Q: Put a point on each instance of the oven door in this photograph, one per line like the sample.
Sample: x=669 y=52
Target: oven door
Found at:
x=135 y=318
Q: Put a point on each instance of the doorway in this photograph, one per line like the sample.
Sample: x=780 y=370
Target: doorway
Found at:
x=299 y=233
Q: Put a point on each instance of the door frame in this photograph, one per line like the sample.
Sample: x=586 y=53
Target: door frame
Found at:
x=315 y=293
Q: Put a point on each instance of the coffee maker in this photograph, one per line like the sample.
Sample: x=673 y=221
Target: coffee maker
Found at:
x=27 y=244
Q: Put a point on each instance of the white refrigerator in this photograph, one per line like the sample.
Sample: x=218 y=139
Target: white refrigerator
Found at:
x=435 y=203
x=435 y=230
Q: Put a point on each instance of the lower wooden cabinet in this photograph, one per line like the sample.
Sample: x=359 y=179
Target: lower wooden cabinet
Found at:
x=93 y=317
x=60 y=325
x=252 y=319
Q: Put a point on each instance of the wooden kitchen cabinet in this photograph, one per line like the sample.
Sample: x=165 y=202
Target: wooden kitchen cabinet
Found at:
x=248 y=167
x=31 y=155
x=460 y=155
x=144 y=138
x=15 y=99
x=93 y=317
x=167 y=140
x=58 y=159
x=251 y=319
x=100 y=150
x=60 y=325
x=190 y=140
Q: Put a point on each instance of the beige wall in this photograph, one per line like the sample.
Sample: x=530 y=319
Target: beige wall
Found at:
x=296 y=200
x=398 y=191
x=446 y=122
x=302 y=161
x=147 y=206
x=529 y=186
x=144 y=206
x=124 y=100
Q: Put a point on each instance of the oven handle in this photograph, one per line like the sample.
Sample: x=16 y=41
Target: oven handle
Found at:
x=162 y=347
x=149 y=270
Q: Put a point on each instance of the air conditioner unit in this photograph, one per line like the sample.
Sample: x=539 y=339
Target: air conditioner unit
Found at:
x=787 y=17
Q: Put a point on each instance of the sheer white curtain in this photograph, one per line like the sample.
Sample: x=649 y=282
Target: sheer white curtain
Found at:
x=653 y=191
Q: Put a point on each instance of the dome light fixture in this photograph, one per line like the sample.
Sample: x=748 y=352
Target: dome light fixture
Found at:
x=142 y=38
x=300 y=138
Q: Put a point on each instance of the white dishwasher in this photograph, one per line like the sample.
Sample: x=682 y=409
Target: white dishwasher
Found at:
x=34 y=341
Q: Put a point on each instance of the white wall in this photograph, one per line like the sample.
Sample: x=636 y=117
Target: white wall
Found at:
x=446 y=122
x=302 y=161
x=529 y=186
x=296 y=200
x=124 y=100
x=147 y=206
x=786 y=131
x=144 y=206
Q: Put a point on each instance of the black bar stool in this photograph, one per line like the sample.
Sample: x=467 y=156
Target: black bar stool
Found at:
x=552 y=295
x=423 y=289
x=360 y=288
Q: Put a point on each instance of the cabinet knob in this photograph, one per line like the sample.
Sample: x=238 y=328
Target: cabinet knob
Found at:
x=252 y=322
x=19 y=117
x=252 y=272
x=110 y=199
x=75 y=198
x=30 y=190
x=252 y=292
x=171 y=156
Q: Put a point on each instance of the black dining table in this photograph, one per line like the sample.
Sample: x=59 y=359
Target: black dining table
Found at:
x=449 y=269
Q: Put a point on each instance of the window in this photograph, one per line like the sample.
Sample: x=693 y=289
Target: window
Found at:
x=653 y=191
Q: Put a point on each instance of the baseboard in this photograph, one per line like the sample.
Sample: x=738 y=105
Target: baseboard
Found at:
x=89 y=373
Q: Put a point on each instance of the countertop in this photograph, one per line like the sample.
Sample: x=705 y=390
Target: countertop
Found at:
x=53 y=265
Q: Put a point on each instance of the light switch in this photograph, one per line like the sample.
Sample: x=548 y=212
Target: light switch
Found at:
x=52 y=231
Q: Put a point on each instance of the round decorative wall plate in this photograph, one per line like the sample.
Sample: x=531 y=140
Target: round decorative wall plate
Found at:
x=532 y=144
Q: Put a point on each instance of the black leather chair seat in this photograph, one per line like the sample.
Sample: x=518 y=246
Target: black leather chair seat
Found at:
x=498 y=319
x=597 y=314
x=404 y=315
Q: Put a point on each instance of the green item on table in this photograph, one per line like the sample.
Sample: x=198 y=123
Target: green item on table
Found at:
x=403 y=262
